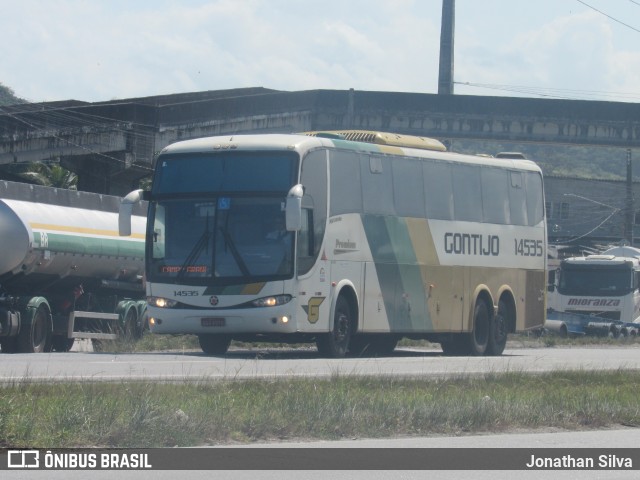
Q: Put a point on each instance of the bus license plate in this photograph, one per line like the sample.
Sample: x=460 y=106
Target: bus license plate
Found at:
x=213 y=322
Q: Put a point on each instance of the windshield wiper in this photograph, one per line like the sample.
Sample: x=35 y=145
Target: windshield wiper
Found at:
x=234 y=251
x=202 y=242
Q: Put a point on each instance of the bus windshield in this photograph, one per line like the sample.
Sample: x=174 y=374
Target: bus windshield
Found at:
x=228 y=171
x=221 y=240
x=218 y=218
x=591 y=280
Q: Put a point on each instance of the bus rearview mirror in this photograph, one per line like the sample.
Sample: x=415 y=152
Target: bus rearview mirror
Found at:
x=293 y=208
x=126 y=209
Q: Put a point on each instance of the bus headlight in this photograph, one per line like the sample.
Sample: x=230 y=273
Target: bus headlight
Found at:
x=271 y=301
x=161 y=302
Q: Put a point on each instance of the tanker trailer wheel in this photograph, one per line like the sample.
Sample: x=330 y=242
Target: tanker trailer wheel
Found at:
x=35 y=334
x=130 y=326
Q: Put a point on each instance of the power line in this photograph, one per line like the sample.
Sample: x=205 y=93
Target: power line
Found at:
x=82 y=147
x=593 y=229
x=561 y=93
x=608 y=16
x=45 y=118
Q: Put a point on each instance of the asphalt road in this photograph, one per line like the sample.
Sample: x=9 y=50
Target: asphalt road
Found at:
x=271 y=363
x=84 y=365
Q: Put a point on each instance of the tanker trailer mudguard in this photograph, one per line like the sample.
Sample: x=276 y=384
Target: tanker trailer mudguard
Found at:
x=65 y=272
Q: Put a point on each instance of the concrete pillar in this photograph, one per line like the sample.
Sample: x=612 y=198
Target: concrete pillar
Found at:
x=447 y=28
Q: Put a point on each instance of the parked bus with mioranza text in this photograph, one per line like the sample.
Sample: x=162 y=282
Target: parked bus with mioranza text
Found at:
x=352 y=240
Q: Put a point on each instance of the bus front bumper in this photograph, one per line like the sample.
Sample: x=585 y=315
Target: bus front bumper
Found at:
x=255 y=320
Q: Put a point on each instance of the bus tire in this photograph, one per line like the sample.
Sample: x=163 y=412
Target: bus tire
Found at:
x=498 y=330
x=35 y=333
x=336 y=343
x=214 y=344
x=479 y=336
x=564 y=333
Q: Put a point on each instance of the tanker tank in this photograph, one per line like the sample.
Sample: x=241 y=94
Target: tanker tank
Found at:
x=65 y=272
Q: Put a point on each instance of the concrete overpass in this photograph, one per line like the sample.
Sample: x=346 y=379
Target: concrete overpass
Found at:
x=111 y=145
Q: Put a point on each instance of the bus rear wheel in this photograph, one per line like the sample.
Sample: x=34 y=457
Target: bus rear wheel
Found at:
x=499 y=327
x=335 y=343
x=214 y=344
x=479 y=337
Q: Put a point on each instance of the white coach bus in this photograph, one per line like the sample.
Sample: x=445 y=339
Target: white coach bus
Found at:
x=351 y=240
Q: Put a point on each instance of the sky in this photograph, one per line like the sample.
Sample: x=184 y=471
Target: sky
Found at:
x=100 y=50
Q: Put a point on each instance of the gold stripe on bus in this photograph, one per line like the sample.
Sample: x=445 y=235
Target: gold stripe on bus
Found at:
x=90 y=231
x=425 y=252
x=253 y=288
x=391 y=150
x=422 y=240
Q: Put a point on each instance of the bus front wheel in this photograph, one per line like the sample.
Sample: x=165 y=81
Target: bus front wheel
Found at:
x=214 y=344
x=335 y=343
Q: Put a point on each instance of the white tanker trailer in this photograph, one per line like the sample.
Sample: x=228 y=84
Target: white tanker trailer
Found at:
x=65 y=273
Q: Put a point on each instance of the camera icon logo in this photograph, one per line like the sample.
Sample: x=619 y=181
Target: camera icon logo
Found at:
x=23 y=459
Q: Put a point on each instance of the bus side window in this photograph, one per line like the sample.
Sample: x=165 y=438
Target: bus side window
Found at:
x=306 y=256
x=314 y=204
x=467 y=196
x=495 y=195
x=535 y=202
x=159 y=228
x=408 y=188
x=438 y=190
x=517 y=199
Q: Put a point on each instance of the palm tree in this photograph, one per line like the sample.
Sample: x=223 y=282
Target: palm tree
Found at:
x=48 y=175
x=60 y=177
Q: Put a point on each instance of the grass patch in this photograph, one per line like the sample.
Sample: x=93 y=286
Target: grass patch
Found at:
x=151 y=342
x=157 y=415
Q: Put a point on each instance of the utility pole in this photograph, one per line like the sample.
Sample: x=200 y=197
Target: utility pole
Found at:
x=447 y=27
x=630 y=211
